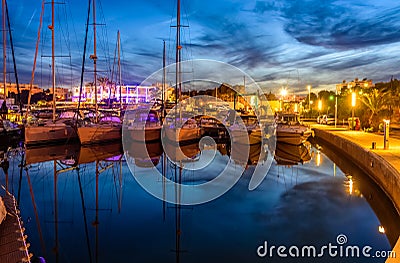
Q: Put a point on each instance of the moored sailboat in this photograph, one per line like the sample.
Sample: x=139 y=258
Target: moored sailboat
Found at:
x=143 y=125
x=105 y=130
x=179 y=129
x=55 y=130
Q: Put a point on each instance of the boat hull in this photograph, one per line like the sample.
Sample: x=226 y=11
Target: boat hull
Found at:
x=295 y=135
x=182 y=134
x=239 y=136
x=52 y=133
x=99 y=133
x=144 y=134
x=292 y=138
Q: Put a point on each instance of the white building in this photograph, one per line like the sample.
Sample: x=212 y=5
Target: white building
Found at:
x=129 y=93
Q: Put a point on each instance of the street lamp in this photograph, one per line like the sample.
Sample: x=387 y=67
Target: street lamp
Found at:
x=319 y=105
x=283 y=93
x=336 y=95
x=353 y=104
x=309 y=98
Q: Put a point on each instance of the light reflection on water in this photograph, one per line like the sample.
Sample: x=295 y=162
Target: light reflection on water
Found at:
x=98 y=213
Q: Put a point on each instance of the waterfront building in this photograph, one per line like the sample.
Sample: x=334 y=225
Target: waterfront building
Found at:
x=129 y=93
x=12 y=88
x=355 y=84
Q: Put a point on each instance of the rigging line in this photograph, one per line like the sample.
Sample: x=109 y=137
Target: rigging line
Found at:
x=113 y=65
x=63 y=40
x=20 y=178
x=84 y=216
x=104 y=40
x=42 y=243
x=34 y=60
x=74 y=29
x=171 y=44
x=13 y=57
x=84 y=57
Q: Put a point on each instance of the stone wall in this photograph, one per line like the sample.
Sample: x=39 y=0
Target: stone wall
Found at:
x=381 y=171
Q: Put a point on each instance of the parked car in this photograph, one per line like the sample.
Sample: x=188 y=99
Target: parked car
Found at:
x=319 y=118
x=13 y=108
x=328 y=119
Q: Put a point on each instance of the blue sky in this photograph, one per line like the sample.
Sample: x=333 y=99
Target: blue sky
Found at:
x=294 y=43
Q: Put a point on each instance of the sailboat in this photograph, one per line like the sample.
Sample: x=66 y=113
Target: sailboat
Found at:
x=103 y=130
x=142 y=124
x=55 y=130
x=179 y=128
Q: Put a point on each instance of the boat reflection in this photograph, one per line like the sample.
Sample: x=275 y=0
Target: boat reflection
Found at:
x=144 y=154
x=69 y=159
x=106 y=152
x=73 y=154
x=290 y=154
x=246 y=154
x=182 y=153
x=43 y=154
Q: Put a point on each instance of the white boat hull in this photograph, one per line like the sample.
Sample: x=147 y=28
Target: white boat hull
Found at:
x=50 y=133
x=99 y=133
x=292 y=134
x=182 y=134
x=145 y=134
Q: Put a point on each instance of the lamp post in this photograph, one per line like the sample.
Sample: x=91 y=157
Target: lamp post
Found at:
x=283 y=95
x=319 y=106
x=353 y=104
x=309 y=99
x=336 y=95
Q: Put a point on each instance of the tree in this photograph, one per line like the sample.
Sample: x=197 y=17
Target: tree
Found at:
x=375 y=100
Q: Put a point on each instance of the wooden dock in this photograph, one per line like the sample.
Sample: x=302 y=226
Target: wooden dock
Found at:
x=13 y=243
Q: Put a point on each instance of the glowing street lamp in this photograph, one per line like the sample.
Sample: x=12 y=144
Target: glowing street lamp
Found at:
x=353 y=104
x=283 y=92
x=319 y=105
x=336 y=103
x=309 y=97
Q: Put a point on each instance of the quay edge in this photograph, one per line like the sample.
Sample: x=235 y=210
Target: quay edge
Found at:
x=381 y=165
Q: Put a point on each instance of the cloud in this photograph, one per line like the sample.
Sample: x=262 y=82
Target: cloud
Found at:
x=330 y=25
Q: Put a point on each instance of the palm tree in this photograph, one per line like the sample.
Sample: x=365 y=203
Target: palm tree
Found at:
x=105 y=82
x=375 y=100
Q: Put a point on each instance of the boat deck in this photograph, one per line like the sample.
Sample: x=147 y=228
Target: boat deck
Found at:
x=13 y=245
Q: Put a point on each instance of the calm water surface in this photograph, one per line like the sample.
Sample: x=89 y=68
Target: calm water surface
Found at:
x=72 y=215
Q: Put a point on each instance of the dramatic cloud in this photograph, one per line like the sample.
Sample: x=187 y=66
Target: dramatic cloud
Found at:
x=294 y=43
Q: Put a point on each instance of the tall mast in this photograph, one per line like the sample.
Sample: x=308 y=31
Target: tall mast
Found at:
x=53 y=70
x=13 y=57
x=163 y=80
x=119 y=70
x=178 y=53
x=94 y=57
x=3 y=4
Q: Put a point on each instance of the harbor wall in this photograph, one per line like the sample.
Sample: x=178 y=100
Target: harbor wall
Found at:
x=382 y=172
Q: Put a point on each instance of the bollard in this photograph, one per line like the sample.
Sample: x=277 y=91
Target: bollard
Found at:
x=373 y=147
x=386 y=134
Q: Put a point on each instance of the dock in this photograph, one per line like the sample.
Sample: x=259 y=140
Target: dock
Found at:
x=13 y=241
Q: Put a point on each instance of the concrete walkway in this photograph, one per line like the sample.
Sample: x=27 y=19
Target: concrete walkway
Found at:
x=390 y=155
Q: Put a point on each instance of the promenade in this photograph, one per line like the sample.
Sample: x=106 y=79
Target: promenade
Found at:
x=352 y=142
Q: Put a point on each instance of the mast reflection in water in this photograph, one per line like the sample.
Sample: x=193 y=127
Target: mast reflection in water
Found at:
x=84 y=205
